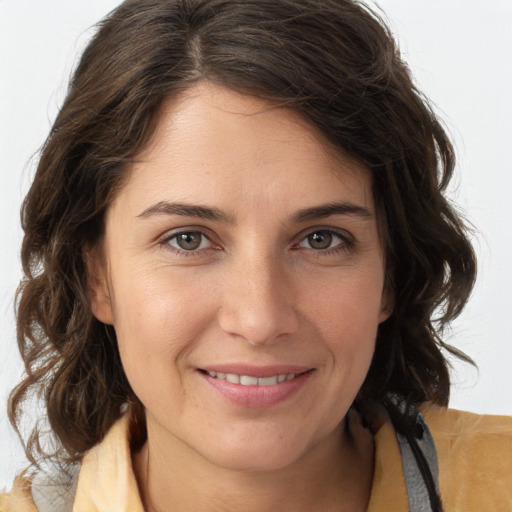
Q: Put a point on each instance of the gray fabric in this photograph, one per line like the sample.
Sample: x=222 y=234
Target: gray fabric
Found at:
x=417 y=491
x=53 y=492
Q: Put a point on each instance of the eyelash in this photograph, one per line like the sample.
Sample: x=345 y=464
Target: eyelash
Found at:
x=165 y=242
x=346 y=242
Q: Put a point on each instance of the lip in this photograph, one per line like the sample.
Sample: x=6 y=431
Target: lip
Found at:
x=253 y=397
x=255 y=371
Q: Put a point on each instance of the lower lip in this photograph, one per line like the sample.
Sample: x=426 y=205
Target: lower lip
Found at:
x=257 y=396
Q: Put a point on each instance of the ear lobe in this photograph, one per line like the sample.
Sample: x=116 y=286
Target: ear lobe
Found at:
x=99 y=291
x=387 y=304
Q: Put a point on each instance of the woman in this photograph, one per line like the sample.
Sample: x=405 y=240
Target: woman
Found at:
x=236 y=244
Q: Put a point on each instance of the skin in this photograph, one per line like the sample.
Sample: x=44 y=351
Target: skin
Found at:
x=255 y=291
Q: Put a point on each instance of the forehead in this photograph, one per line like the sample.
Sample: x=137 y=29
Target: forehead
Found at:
x=215 y=145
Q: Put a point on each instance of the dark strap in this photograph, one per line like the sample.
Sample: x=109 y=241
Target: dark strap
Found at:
x=421 y=470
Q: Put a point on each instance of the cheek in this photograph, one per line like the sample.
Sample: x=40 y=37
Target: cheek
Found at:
x=346 y=317
x=157 y=320
x=346 y=320
x=349 y=306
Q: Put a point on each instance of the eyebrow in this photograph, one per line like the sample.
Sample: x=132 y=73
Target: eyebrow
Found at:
x=187 y=210
x=326 y=210
x=215 y=214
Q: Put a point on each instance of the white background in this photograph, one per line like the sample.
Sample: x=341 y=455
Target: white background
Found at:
x=460 y=52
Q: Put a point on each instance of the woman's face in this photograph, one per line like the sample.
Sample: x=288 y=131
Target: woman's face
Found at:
x=244 y=276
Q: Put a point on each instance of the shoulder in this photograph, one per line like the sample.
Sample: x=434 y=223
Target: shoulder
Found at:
x=454 y=422
x=42 y=492
x=481 y=437
x=475 y=458
x=19 y=499
x=104 y=476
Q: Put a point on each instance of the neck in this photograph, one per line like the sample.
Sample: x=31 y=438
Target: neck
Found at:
x=335 y=475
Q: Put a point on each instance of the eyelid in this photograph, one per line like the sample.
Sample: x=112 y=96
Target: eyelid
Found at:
x=203 y=239
x=342 y=233
x=347 y=242
x=164 y=239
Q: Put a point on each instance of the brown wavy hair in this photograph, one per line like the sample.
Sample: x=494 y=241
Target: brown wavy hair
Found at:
x=333 y=61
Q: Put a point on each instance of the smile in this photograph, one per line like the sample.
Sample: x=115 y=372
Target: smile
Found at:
x=249 y=380
x=252 y=387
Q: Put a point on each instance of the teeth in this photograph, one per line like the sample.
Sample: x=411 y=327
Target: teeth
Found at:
x=245 y=380
x=267 y=381
x=248 y=380
x=231 y=377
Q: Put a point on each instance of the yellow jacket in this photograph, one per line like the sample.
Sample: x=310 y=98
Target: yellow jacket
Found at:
x=474 y=454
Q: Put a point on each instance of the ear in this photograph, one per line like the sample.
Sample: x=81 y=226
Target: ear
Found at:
x=99 y=290
x=387 y=303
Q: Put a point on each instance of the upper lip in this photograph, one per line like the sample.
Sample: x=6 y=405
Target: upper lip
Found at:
x=256 y=371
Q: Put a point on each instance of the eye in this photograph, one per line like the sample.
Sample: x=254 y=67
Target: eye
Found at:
x=323 y=239
x=189 y=241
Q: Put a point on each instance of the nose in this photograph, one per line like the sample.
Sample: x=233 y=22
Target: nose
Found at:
x=258 y=301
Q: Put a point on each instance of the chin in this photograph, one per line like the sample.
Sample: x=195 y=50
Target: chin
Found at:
x=253 y=454
x=250 y=463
